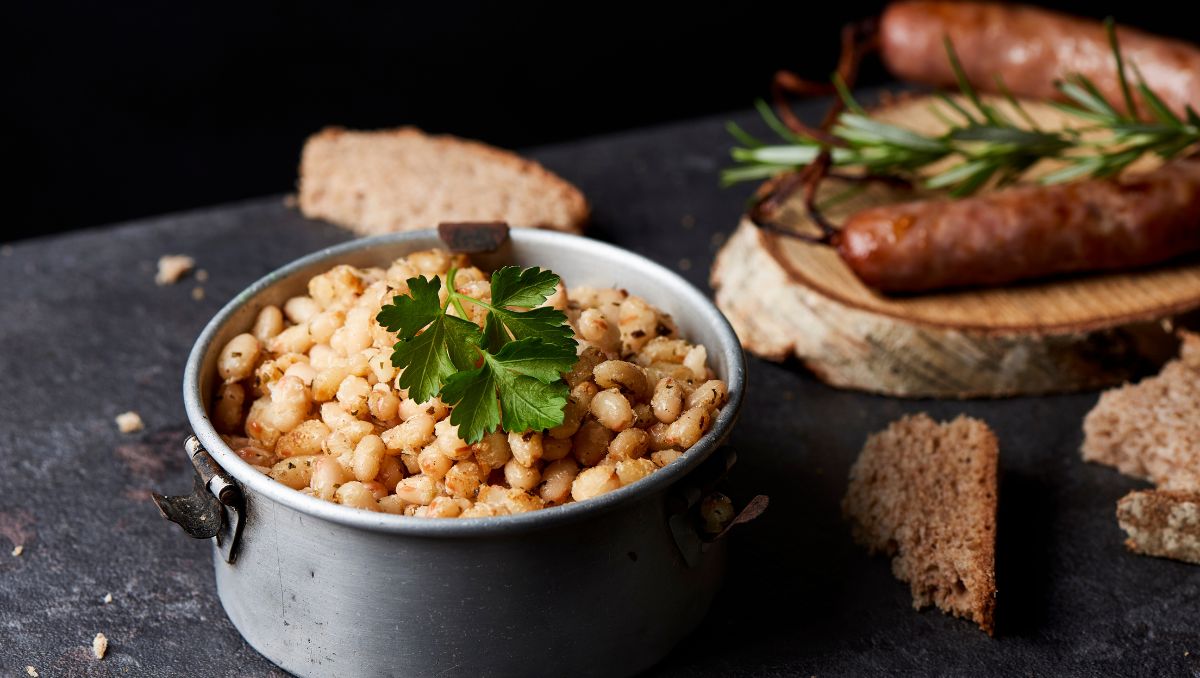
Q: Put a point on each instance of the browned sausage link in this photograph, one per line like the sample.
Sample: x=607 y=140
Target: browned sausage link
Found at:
x=1030 y=48
x=1027 y=232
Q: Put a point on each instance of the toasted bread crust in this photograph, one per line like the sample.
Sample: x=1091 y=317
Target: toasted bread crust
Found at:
x=403 y=179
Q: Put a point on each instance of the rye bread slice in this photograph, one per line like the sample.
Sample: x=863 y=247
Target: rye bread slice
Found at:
x=1151 y=429
x=1162 y=523
x=925 y=494
x=403 y=179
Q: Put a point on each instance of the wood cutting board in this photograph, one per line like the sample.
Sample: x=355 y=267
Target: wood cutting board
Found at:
x=787 y=297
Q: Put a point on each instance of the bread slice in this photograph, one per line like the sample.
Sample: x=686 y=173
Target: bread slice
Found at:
x=1152 y=429
x=1162 y=523
x=403 y=179
x=925 y=493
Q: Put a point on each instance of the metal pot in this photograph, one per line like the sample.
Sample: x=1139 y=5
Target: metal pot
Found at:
x=604 y=587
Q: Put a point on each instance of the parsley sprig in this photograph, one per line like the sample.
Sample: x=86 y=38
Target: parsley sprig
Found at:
x=509 y=374
x=989 y=147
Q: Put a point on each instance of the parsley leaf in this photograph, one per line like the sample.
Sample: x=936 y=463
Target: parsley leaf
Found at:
x=447 y=344
x=509 y=374
x=520 y=386
x=530 y=287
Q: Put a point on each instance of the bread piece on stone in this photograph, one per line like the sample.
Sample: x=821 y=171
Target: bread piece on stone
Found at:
x=1151 y=429
x=925 y=494
x=403 y=179
x=1162 y=523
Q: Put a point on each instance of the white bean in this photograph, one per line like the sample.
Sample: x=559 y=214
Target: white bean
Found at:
x=238 y=358
x=594 y=482
x=268 y=323
x=612 y=409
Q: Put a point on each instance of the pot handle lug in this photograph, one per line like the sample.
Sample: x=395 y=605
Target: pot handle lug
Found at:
x=215 y=508
x=683 y=506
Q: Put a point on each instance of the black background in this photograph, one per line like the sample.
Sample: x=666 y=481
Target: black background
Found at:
x=119 y=110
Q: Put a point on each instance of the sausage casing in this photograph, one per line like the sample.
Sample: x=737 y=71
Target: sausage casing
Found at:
x=1030 y=48
x=1028 y=231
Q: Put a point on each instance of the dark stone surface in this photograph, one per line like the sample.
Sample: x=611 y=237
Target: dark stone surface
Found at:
x=85 y=334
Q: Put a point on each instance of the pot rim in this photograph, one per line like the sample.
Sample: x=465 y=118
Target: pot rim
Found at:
x=659 y=481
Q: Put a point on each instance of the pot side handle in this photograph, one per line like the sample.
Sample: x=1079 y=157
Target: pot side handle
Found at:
x=215 y=508
x=683 y=506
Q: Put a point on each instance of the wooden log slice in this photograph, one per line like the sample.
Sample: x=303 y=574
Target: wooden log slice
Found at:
x=787 y=297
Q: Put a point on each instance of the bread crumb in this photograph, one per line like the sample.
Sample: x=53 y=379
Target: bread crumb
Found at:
x=685 y=264
x=198 y=293
x=6 y=251
x=201 y=275
x=107 y=598
x=30 y=671
x=172 y=267
x=130 y=422
x=18 y=550
x=99 y=645
x=291 y=201
x=688 y=221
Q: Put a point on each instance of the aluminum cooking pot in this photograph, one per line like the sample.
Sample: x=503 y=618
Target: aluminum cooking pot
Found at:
x=604 y=587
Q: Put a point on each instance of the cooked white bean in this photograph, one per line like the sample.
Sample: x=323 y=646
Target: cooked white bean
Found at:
x=302 y=371
x=629 y=378
x=463 y=479
x=632 y=470
x=238 y=358
x=290 y=401
x=594 y=482
x=591 y=442
x=294 y=339
x=638 y=322
x=295 y=472
x=368 y=457
x=493 y=451
x=556 y=480
x=596 y=328
x=268 y=324
x=612 y=409
x=710 y=395
x=382 y=403
x=668 y=400
x=554 y=449
x=631 y=443
x=327 y=476
x=231 y=400
x=339 y=284
x=696 y=360
x=520 y=476
x=663 y=457
x=526 y=447
x=357 y=495
x=305 y=440
x=300 y=309
x=352 y=394
x=322 y=326
x=449 y=443
x=417 y=490
x=414 y=434
x=687 y=429
x=434 y=463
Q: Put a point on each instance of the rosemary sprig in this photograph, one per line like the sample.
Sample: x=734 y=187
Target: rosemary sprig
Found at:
x=990 y=147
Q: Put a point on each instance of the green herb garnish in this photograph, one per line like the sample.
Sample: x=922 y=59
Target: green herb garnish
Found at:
x=990 y=146
x=509 y=373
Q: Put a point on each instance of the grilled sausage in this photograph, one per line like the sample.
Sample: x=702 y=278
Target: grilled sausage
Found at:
x=1030 y=48
x=1027 y=231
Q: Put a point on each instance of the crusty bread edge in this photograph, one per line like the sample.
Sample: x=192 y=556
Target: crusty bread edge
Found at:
x=577 y=205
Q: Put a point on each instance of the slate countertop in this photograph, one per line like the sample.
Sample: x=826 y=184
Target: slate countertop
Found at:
x=85 y=334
